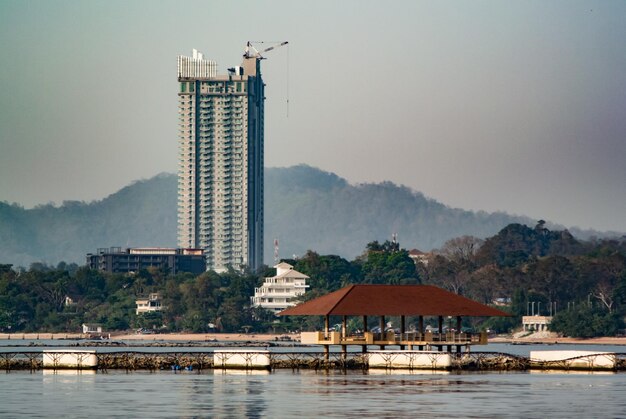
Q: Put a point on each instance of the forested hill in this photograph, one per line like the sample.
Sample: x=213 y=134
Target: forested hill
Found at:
x=305 y=208
x=141 y=214
x=310 y=209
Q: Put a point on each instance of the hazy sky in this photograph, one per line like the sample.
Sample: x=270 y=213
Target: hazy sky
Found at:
x=517 y=106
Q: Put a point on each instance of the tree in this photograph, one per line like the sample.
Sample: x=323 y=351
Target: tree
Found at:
x=327 y=273
x=585 y=321
x=461 y=250
x=553 y=276
x=445 y=274
x=387 y=266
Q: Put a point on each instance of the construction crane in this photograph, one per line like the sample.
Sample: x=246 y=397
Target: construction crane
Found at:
x=252 y=52
x=254 y=67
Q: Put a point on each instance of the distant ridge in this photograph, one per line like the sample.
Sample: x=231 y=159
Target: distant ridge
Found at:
x=305 y=208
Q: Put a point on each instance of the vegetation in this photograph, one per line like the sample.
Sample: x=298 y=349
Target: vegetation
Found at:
x=583 y=283
x=51 y=299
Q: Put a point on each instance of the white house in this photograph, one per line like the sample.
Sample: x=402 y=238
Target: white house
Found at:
x=150 y=304
x=280 y=291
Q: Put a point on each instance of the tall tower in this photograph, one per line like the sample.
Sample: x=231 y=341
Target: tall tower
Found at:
x=220 y=173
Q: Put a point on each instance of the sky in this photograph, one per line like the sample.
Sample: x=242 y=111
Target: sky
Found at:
x=483 y=105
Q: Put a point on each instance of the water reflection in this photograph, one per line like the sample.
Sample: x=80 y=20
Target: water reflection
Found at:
x=70 y=372
x=382 y=371
x=240 y=372
x=308 y=393
x=571 y=372
x=237 y=393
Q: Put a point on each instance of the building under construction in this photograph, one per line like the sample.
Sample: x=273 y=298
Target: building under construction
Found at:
x=220 y=173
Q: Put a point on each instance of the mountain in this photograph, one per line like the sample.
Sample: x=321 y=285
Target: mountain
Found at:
x=305 y=208
x=140 y=214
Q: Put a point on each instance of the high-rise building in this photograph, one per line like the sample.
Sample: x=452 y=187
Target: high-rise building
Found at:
x=220 y=174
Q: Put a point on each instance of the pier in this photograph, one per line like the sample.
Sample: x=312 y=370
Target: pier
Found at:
x=260 y=359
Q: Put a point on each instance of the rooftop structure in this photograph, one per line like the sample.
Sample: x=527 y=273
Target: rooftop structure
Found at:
x=118 y=260
x=281 y=291
x=394 y=300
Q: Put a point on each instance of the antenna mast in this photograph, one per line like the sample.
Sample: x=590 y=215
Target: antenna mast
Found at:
x=276 y=251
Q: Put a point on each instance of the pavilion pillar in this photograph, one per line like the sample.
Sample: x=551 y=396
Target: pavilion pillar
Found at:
x=326 y=336
x=382 y=330
x=440 y=347
x=420 y=330
x=402 y=327
x=459 y=328
x=364 y=347
x=326 y=326
x=344 y=348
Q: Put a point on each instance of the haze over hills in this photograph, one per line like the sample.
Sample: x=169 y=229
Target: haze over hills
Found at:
x=305 y=208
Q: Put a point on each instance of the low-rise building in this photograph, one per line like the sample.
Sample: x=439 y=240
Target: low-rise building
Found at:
x=91 y=328
x=419 y=257
x=536 y=323
x=150 y=304
x=118 y=260
x=281 y=291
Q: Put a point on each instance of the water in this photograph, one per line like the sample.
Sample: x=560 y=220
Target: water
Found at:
x=306 y=394
x=311 y=394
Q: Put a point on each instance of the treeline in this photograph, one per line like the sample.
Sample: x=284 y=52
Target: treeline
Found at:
x=523 y=270
x=538 y=271
x=62 y=298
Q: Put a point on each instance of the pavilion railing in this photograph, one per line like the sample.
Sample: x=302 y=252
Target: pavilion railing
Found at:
x=390 y=337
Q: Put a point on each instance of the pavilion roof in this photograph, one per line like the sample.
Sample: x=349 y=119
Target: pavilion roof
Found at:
x=392 y=300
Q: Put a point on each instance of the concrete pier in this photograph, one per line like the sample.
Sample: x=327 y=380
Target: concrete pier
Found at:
x=429 y=360
x=241 y=359
x=581 y=360
x=69 y=359
x=224 y=359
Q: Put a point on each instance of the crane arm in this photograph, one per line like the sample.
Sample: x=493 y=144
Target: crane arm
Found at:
x=256 y=54
x=275 y=46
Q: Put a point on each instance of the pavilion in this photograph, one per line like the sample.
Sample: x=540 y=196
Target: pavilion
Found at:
x=394 y=300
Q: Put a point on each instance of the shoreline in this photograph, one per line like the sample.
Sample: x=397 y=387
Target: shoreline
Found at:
x=168 y=337
x=284 y=337
x=604 y=340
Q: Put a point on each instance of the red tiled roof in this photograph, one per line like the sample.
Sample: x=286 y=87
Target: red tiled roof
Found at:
x=392 y=300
